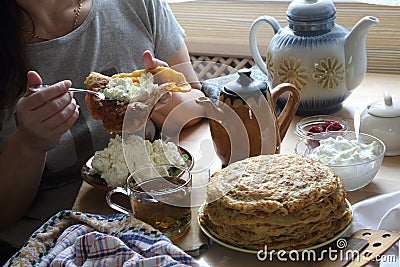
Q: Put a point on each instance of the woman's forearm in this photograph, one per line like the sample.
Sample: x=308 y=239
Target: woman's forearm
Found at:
x=42 y=119
x=21 y=170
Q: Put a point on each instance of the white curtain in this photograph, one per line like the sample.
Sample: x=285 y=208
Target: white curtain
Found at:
x=376 y=2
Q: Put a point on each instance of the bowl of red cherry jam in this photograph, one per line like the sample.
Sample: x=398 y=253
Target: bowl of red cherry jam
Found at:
x=319 y=124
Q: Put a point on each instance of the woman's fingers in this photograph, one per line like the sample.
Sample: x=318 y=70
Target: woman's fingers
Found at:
x=151 y=62
x=59 y=118
x=29 y=117
x=67 y=123
x=52 y=107
x=37 y=99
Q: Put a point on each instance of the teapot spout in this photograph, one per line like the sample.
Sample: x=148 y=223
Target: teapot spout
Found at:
x=356 y=53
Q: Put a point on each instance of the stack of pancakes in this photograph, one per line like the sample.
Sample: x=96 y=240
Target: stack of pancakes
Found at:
x=279 y=201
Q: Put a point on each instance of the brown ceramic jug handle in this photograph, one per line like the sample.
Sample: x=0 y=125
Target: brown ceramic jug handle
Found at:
x=290 y=109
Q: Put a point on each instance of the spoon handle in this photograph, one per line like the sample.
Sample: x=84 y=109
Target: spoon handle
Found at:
x=357 y=124
x=44 y=86
x=76 y=90
x=71 y=89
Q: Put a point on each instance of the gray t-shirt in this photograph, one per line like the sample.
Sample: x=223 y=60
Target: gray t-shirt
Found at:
x=112 y=39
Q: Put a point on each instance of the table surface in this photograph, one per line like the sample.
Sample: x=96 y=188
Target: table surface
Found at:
x=197 y=140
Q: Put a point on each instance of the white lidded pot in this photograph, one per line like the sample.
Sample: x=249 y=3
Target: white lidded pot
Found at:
x=382 y=120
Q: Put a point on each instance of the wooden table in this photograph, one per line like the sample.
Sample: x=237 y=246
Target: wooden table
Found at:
x=197 y=140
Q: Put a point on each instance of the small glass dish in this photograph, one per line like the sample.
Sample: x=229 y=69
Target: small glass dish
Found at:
x=303 y=126
x=354 y=175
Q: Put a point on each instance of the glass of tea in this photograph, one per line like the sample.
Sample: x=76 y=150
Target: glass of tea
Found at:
x=160 y=195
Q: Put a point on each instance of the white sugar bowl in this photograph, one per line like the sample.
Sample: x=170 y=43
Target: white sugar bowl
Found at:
x=382 y=120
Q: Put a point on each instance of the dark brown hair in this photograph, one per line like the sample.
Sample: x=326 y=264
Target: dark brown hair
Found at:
x=13 y=58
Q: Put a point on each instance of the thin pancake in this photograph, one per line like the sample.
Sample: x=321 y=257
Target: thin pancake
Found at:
x=240 y=237
x=131 y=117
x=271 y=183
x=221 y=215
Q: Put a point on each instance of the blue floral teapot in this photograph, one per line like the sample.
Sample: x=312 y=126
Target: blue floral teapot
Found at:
x=322 y=59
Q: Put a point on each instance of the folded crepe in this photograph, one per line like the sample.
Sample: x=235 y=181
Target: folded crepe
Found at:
x=131 y=97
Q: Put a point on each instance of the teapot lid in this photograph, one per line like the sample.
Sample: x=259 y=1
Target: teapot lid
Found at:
x=386 y=108
x=245 y=86
x=311 y=15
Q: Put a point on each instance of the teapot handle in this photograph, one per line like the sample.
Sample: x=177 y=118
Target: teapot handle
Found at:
x=284 y=119
x=253 y=39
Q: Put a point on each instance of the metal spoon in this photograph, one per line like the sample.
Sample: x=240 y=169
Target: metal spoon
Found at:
x=43 y=86
x=357 y=124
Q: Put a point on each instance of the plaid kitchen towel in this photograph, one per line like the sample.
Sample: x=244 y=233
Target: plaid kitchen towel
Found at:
x=73 y=238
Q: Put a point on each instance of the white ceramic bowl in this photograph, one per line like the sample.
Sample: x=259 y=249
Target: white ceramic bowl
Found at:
x=353 y=175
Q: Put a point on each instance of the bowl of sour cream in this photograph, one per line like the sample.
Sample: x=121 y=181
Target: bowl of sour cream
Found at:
x=356 y=162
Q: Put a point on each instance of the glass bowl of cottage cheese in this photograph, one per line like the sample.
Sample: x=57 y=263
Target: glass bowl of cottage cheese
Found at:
x=356 y=162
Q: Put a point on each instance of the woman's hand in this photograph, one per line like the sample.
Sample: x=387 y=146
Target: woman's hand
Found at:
x=177 y=110
x=42 y=118
x=151 y=62
x=45 y=115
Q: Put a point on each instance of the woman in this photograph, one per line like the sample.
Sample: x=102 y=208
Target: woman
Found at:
x=45 y=137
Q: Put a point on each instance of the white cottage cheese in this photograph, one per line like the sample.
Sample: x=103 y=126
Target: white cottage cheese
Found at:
x=124 y=90
x=120 y=158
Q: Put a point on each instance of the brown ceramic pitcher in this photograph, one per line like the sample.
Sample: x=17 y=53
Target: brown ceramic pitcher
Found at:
x=245 y=123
